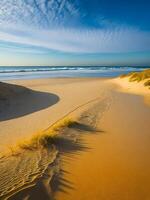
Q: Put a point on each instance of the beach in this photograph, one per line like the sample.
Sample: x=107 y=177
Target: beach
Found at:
x=74 y=100
x=104 y=154
x=51 y=99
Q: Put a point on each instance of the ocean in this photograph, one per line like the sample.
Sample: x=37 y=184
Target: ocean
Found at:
x=33 y=72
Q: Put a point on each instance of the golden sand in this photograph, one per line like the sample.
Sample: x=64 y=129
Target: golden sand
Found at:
x=104 y=155
x=117 y=164
x=137 y=88
x=41 y=104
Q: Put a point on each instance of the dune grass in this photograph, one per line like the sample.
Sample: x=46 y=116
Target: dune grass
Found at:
x=43 y=138
x=147 y=83
x=138 y=76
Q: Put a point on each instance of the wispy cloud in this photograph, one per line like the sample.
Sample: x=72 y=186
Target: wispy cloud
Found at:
x=37 y=13
x=23 y=49
x=83 y=41
x=45 y=24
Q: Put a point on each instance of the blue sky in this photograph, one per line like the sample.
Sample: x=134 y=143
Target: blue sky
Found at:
x=66 y=32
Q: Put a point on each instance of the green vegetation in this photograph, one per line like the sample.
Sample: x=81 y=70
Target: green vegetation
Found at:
x=44 y=138
x=138 y=76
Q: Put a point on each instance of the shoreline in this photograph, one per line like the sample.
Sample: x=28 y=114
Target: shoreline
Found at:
x=40 y=72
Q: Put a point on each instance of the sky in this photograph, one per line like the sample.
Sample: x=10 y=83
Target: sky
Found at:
x=74 y=32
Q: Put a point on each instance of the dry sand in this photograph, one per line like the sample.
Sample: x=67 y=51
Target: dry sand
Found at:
x=103 y=156
x=133 y=87
x=116 y=165
x=38 y=103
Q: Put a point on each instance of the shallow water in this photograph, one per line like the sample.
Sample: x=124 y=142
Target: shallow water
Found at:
x=30 y=72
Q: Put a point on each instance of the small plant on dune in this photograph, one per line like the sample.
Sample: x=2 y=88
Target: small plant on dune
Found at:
x=42 y=139
x=13 y=150
x=138 y=76
x=38 y=140
x=62 y=123
x=135 y=77
x=147 y=83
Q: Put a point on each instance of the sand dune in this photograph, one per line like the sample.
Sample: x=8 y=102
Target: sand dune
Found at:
x=104 y=154
x=38 y=106
x=134 y=83
x=132 y=87
x=115 y=163
x=17 y=101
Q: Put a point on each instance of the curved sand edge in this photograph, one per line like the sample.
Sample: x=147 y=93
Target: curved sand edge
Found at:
x=116 y=164
x=114 y=147
x=44 y=157
x=132 y=87
x=31 y=118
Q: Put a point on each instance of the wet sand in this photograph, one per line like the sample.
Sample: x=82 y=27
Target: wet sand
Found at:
x=104 y=155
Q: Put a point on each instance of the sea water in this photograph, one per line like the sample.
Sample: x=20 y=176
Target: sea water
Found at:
x=30 y=72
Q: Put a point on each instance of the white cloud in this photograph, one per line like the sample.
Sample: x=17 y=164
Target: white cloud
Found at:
x=83 y=41
x=20 y=49
x=41 y=23
x=37 y=13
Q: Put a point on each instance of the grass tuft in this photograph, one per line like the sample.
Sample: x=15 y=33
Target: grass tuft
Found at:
x=42 y=139
x=138 y=76
x=147 y=83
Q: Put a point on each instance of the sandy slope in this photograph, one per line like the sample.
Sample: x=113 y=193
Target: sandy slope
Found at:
x=44 y=102
x=103 y=156
x=116 y=165
x=133 y=87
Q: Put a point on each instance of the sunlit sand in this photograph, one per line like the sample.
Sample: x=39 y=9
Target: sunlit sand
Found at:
x=73 y=139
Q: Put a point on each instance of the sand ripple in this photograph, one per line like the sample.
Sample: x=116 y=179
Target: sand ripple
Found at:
x=22 y=171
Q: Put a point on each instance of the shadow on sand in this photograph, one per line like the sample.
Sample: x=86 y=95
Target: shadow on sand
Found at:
x=68 y=148
x=17 y=101
x=84 y=127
